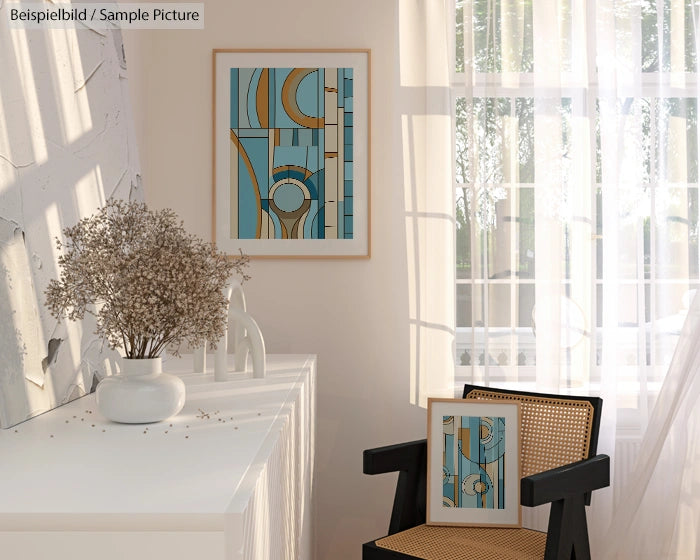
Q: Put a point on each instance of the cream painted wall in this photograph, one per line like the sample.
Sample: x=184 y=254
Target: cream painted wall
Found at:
x=353 y=314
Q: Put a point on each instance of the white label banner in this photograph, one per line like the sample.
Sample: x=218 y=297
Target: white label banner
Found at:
x=146 y=15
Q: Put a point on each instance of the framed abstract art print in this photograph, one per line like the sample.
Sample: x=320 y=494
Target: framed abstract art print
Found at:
x=473 y=463
x=292 y=152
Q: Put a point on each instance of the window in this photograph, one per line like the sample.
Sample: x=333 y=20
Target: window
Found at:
x=576 y=181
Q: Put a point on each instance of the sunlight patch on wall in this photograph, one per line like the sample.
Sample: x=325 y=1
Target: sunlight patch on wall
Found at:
x=89 y=192
x=412 y=260
x=26 y=74
x=7 y=175
x=21 y=336
x=74 y=337
x=54 y=230
x=73 y=105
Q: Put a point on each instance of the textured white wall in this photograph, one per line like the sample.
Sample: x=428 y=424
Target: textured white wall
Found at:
x=66 y=144
x=354 y=314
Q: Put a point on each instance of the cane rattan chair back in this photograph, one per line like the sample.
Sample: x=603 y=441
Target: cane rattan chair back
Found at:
x=554 y=431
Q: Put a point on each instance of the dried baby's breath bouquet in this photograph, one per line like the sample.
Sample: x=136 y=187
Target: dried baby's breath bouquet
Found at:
x=150 y=284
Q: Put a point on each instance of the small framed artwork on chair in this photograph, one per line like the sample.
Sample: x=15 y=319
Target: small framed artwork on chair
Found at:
x=473 y=463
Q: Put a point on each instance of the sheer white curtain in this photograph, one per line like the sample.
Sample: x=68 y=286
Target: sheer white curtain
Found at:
x=576 y=180
x=658 y=515
x=425 y=150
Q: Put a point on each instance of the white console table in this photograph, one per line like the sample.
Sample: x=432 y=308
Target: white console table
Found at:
x=228 y=478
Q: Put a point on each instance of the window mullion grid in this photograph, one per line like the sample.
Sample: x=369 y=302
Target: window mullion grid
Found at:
x=653 y=178
x=696 y=186
x=641 y=297
x=514 y=249
x=452 y=37
x=660 y=33
x=476 y=251
x=486 y=296
x=591 y=111
x=642 y=342
x=649 y=84
x=475 y=257
x=641 y=285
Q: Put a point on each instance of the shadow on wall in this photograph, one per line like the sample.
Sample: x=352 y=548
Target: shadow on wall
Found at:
x=66 y=145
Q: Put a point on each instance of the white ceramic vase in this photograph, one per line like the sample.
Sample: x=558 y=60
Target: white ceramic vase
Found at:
x=140 y=393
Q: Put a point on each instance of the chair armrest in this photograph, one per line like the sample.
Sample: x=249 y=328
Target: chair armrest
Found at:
x=577 y=478
x=409 y=499
x=391 y=458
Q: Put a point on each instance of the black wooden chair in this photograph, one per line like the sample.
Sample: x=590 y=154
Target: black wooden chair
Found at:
x=559 y=465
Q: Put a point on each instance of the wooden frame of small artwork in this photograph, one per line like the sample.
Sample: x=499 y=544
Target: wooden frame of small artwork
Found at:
x=473 y=463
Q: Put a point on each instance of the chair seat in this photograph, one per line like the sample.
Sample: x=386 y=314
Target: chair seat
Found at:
x=467 y=543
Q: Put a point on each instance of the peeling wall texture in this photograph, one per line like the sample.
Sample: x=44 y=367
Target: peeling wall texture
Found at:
x=66 y=145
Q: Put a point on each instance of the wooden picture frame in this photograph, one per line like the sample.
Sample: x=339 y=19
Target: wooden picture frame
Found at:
x=291 y=152
x=473 y=463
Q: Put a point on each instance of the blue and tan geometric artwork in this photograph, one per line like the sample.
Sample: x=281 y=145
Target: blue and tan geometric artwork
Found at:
x=473 y=474
x=291 y=153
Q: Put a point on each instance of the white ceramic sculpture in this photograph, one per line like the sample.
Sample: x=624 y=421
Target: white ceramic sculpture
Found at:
x=220 y=368
x=199 y=359
x=252 y=343
x=246 y=338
